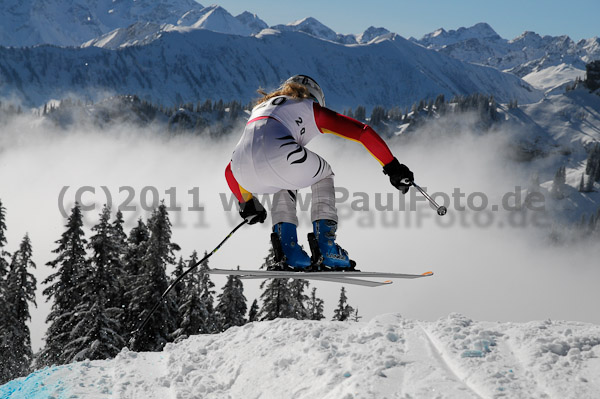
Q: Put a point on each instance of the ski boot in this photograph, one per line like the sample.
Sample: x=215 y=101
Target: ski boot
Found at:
x=288 y=253
x=326 y=254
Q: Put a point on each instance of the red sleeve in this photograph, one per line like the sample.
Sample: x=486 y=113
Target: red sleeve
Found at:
x=237 y=190
x=329 y=121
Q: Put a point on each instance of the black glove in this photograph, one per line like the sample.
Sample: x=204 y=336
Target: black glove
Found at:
x=400 y=176
x=253 y=211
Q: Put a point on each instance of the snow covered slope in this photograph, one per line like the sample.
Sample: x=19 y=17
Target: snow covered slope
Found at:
x=387 y=357
x=553 y=79
x=189 y=66
x=569 y=121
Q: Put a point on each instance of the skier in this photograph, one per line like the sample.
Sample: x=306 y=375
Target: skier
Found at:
x=271 y=158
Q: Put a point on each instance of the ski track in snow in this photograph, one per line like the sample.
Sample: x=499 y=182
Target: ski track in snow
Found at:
x=525 y=378
x=439 y=354
x=489 y=373
x=536 y=360
x=560 y=351
x=386 y=357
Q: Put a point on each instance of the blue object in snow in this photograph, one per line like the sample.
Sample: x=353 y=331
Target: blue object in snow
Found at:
x=472 y=353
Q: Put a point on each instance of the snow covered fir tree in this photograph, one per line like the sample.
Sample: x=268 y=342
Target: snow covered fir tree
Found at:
x=96 y=333
x=152 y=281
x=314 y=306
x=343 y=311
x=4 y=306
x=207 y=298
x=195 y=305
x=137 y=245
x=17 y=292
x=20 y=292
x=231 y=307
x=64 y=288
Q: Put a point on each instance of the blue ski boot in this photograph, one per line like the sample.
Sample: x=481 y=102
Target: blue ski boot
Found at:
x=287 y=250
x=333 y=256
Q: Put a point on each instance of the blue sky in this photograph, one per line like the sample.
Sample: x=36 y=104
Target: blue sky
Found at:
x=576 y=18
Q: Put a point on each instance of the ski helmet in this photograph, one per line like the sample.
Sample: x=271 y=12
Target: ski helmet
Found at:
x=313 y=87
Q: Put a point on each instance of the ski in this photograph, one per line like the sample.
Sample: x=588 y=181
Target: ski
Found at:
x=331 y=279
x=350 y=277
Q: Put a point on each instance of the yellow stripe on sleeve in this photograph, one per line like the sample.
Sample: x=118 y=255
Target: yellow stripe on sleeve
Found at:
x=351 y=139
x=246 y=195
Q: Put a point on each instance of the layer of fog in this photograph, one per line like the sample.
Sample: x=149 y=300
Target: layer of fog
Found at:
x=497 y=272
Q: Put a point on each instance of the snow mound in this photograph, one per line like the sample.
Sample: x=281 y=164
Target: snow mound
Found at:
x=389 y=356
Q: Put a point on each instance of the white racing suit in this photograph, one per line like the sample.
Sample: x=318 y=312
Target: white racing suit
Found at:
x=271 y=157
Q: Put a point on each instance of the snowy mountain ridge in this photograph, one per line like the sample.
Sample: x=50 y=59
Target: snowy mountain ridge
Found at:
x=214 y=18
x=75 y=22
x=464 y=43
x=313 y=27
x=252 y=21
x=440 y=38
x=546 y=63
x=388 y=356
x=189 y=65
x=137 y=34
x=70 y=23
x=529 y=56
x=113 y=25
x=217 y=19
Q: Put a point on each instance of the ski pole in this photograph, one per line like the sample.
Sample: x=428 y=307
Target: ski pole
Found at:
x=177 y=280
x=441 y=210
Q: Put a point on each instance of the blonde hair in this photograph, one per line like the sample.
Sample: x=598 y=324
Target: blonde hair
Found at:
x=294 y=90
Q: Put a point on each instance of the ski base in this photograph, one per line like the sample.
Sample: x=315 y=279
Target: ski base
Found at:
x=349 y=277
